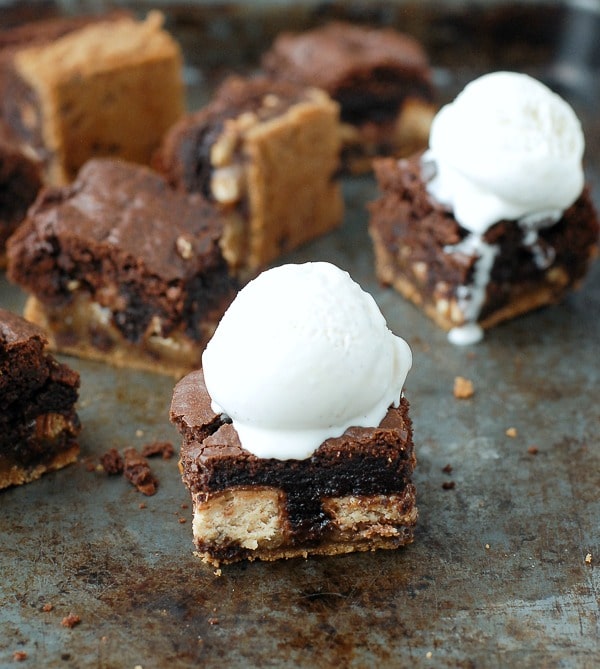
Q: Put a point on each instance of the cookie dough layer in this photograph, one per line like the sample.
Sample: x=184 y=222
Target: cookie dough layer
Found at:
x=252 y=523
x=109 y=88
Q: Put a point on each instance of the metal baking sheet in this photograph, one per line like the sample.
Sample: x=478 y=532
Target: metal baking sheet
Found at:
x=497 y=574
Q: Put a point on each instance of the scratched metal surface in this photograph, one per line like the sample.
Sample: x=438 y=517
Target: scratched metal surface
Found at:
x=497 y=574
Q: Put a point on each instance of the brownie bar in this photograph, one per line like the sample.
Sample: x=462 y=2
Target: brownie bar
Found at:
x=267 y=154
x=122 y=268
x=38 y=423
x=417 y=251
x=380 y=77
x=83 y=88
x=353 y=494
x=20 y=181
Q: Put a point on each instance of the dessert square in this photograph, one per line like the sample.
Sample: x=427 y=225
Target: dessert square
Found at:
x=123 y=269
x=379 y=76
x=267 y=154
x=39 y=426
x=20 y=181
x=353 y=494
x=81 y=88
x=421 y=250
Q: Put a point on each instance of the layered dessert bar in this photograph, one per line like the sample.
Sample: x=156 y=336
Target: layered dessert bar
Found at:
x=297 y=439
x=267 y=154
x=20 y=181
x=121 y=268
x=39 y=426
x=109 y=87
x=380 y=77
x=494 y=220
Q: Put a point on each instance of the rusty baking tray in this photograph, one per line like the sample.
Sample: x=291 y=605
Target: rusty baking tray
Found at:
x=497 y=575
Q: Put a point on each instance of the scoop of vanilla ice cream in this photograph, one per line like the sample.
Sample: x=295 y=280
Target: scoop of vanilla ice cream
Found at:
x=506 y=148
x=302 y=354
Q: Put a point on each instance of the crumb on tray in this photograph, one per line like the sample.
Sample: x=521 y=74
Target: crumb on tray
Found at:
x=163 y=448
x=463 y=388
x=112 y=462
x=70 y=621
x=137 y=471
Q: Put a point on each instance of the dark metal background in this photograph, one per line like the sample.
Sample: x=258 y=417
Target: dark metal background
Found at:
x=497 y=574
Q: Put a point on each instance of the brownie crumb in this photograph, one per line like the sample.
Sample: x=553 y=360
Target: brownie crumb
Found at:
x=70 y=621
x=163 y=448
x=19 y=656
x=447 y=469
x=182 y=520
x=463 y=388
x=112 y=462
x=448 y=485
x=533 y=450
x=137 y=471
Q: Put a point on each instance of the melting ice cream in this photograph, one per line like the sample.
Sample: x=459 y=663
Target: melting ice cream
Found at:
x=507 y=148
x=302 y=354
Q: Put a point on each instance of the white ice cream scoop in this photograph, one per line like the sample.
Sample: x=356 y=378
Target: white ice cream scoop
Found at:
x=302 y=354
x=506 y=148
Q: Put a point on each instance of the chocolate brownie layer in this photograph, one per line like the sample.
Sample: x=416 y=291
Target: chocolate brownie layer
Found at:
x=38 y=422
x=20 y=181
x=353 y=493
x=267 y=153
x=120 y=259
x=413 y=238
x=380 y=77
